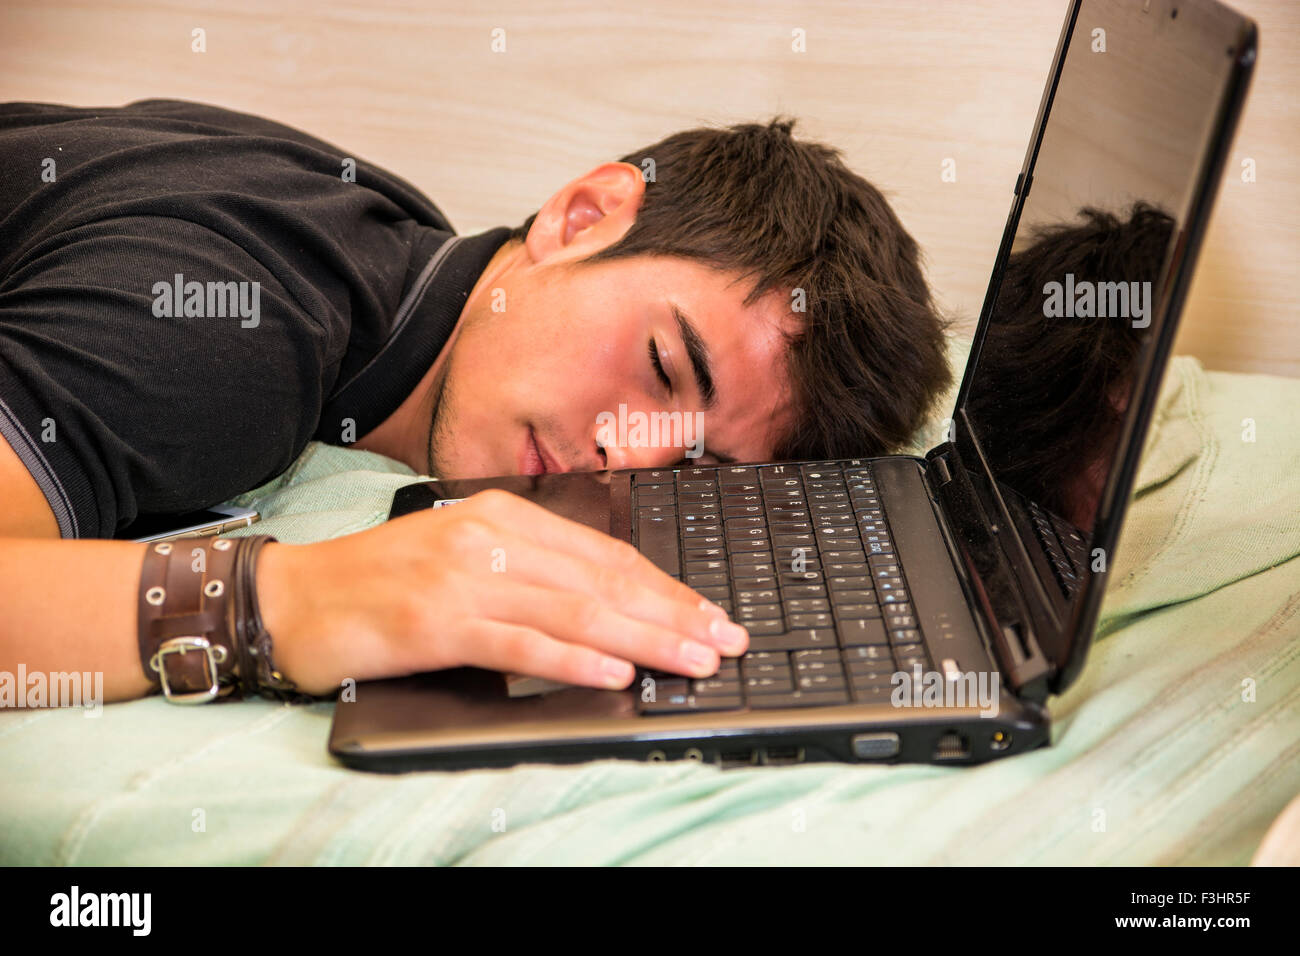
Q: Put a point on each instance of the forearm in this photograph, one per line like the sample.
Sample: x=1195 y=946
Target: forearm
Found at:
x=71 y=606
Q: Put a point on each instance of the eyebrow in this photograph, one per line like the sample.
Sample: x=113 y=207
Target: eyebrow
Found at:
x=698 y=354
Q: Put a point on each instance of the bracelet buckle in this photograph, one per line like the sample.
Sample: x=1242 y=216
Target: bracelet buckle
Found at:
x=215 y=654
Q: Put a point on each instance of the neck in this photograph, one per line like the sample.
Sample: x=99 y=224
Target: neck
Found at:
x=404 y=435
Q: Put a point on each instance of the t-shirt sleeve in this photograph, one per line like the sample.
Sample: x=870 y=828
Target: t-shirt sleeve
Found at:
x=128 y=343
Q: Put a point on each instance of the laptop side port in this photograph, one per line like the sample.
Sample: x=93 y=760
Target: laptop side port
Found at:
x=952 y=746
x=737 y=758
x=782 y=755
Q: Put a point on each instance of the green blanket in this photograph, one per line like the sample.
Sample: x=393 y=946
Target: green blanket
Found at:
x=1178 y=744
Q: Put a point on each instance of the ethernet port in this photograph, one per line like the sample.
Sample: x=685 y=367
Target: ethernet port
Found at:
x=952 y=746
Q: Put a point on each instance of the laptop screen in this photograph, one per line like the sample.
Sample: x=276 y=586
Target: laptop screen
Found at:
x=1100 y=232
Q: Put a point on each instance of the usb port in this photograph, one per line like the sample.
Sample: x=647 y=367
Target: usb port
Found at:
x=782 y=755
x=737 y=757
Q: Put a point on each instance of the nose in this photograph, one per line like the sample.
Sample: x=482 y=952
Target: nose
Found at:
x=627 y=448
x=618 y=457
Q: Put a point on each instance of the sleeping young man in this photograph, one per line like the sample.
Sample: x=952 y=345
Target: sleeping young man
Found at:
x=189 y=295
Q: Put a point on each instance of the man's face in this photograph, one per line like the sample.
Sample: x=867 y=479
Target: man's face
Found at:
x=562 y=365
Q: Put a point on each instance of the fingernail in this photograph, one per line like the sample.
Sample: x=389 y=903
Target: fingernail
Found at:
x=616 y=673
x=732 y=638
x=699 y=657
x=711 y=608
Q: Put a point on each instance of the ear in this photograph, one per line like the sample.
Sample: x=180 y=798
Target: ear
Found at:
x=589 y=214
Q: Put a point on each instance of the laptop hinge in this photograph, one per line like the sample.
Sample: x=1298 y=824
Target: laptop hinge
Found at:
x=999 y=609
x=942 y=475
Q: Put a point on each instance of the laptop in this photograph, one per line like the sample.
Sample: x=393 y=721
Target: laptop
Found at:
x=911 y=608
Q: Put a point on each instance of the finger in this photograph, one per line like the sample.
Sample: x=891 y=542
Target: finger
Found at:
x=578 y=619
x=516 y=648
x=629 y=596
x=534 y=523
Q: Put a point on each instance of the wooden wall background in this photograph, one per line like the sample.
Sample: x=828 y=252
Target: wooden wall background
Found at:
x=898 y=85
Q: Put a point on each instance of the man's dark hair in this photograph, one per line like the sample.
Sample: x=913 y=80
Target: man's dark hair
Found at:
x=1054 y=391
x=870 y=359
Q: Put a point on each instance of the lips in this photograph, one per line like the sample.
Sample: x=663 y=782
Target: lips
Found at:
x=535 y=459
x=553 y=464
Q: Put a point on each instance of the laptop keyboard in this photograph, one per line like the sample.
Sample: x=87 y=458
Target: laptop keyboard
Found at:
x=1065 y=548
x=799 y=555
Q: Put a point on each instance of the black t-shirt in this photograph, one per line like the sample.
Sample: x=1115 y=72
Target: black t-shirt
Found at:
x=188 y=295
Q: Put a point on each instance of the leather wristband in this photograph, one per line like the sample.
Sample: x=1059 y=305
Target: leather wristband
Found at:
x=257 y=669
x=199 y=630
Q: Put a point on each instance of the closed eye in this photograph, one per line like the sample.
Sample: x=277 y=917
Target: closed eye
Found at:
x=659 y=366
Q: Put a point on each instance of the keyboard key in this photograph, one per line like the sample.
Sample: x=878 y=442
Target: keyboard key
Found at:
x=701 y=529
x=697 y=567
x=697 y=485
x=657 y=511
x=820 y=654
x=772 y=684
x=810 y=620
x=820 y=682
x=793 y=640
x=787 y=527
x=801 y=577
x=657 y=540
x=705 y=554
x=883 y=668
x=643 y=500
x=697 y=580
x=690 y=704
x=843 y=555
x=873 y=694
x=767 y=670
x=807 y=605
x=856 y=612
x=758 y=612
x=716 y=686
x=849 y=582
x=874 y=653
x=861 y=632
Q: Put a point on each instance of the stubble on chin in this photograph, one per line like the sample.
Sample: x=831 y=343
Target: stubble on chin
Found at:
x=440 y=431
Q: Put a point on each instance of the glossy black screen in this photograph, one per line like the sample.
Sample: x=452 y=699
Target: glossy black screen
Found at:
x=1097 y=237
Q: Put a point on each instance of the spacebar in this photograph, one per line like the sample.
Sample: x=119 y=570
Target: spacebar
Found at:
x=656 y=538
